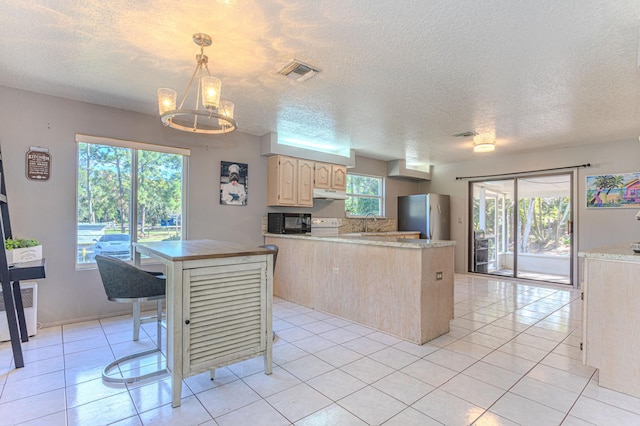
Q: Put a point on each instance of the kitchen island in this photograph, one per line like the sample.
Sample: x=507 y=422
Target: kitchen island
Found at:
x=218 y=303
x=611 y=316
x=400 y=286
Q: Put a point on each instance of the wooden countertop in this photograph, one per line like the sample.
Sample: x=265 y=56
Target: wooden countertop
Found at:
x=369 y=240
x=198 y=249
x=621 y=252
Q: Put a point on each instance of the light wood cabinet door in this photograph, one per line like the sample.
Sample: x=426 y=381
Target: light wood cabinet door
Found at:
x=289 y=182
x=323 y=175
x=305 y=183
x=330 y=176
x=338 y=177
x=281 y=181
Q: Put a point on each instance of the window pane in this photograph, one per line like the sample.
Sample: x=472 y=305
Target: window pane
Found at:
x=364 y=195
x=106 y=196
x=361 y=206
x=159 y=196
x=104 y=199
x=364 y=185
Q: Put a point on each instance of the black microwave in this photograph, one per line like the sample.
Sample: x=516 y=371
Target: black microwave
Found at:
x=289 y=223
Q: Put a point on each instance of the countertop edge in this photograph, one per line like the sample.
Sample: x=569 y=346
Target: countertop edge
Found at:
x=613 y=252
x=369 y=240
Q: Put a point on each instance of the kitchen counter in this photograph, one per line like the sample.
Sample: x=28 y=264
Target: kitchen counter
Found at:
x=393 y=239
x=208 y=327
x=611 y=319
x=621 y=252
x=400 y=286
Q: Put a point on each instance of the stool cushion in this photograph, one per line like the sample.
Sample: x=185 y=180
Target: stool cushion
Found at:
x=124 y=281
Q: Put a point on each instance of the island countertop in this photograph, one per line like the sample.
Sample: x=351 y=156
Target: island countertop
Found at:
x=197 y=249
x=621 y=252
x=376 y=240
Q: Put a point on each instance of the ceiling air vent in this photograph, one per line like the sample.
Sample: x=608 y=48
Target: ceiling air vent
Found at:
x=298 y=70
x=466 y=134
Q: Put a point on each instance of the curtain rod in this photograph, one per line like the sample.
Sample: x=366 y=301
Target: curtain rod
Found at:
x=521 y=173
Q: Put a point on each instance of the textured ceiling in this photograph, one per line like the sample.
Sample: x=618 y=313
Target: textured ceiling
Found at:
x=398 y=78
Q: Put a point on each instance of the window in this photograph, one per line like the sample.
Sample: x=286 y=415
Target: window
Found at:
x=365 y=194
x=120 y=183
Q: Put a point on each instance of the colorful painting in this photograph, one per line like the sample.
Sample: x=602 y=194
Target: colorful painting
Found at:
x=607 y=191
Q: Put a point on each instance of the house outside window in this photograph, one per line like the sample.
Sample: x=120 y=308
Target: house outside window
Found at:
x=120 y=183
x=365 y=194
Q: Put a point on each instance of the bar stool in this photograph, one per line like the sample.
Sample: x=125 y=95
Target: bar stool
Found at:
x=124 y=283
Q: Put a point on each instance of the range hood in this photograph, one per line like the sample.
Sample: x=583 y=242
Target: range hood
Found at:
x=329 y=194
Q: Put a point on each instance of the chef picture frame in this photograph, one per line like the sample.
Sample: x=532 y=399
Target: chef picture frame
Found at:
x=234 y=183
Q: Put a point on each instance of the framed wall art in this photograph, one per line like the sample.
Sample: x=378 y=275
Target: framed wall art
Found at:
x=613 y=191
x=234 y=185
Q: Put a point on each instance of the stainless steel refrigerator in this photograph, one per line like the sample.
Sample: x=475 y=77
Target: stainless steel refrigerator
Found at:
x=427 y=213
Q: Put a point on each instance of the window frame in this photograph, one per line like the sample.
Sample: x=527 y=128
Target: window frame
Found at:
x=135 y=147
x=381 y=197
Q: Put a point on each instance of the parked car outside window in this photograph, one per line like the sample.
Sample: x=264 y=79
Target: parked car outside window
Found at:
x=115 y=245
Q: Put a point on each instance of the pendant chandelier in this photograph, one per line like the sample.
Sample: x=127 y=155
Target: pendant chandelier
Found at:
x=215 y=116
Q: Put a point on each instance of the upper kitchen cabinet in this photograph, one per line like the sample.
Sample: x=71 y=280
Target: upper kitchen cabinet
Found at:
x=289 y=182
x=330 y=176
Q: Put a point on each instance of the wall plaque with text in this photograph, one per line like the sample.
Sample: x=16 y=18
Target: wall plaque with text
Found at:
x=38 y=164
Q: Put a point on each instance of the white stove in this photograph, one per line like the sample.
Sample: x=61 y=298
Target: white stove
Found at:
x=324 y=226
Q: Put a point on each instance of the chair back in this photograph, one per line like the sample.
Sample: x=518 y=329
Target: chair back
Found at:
x=124 y=281
x=274 y=248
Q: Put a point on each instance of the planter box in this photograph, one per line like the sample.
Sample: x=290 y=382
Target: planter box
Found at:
x=24 y=254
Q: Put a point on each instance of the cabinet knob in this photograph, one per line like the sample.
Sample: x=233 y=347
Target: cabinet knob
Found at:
x=187 y=322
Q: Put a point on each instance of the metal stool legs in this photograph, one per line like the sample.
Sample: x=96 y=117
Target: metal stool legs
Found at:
x=158 y=348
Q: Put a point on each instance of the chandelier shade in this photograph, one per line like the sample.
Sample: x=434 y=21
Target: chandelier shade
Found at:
x=166 y=100
x=210 y=92
x=210 y=115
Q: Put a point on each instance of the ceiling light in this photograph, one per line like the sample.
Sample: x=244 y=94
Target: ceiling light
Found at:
x=484 y=146
x=216 y=116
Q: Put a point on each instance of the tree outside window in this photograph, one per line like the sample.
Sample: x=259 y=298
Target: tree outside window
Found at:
x=107 y=196
x=365 y=194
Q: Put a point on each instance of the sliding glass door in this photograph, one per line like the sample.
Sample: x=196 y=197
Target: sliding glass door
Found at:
x=521 y=227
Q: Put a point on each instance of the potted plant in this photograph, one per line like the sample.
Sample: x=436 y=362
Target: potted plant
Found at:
x=22 y=250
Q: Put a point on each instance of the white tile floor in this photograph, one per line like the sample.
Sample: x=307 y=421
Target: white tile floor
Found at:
x=512 y=357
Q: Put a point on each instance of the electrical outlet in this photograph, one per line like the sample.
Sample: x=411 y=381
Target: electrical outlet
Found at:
x=438 y=275
x=336 y=271
x=459 y=220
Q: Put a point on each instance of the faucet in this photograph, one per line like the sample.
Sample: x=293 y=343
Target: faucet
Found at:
x=366 y=227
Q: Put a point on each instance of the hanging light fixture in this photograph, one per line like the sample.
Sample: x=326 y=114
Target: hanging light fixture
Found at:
x=216 y=117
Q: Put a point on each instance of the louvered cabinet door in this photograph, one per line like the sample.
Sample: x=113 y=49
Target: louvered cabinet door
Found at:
x=225 y=307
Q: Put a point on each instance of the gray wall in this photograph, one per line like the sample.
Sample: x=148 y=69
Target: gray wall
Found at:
x=46 y=210
x=394 y=186
x=595 y=227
